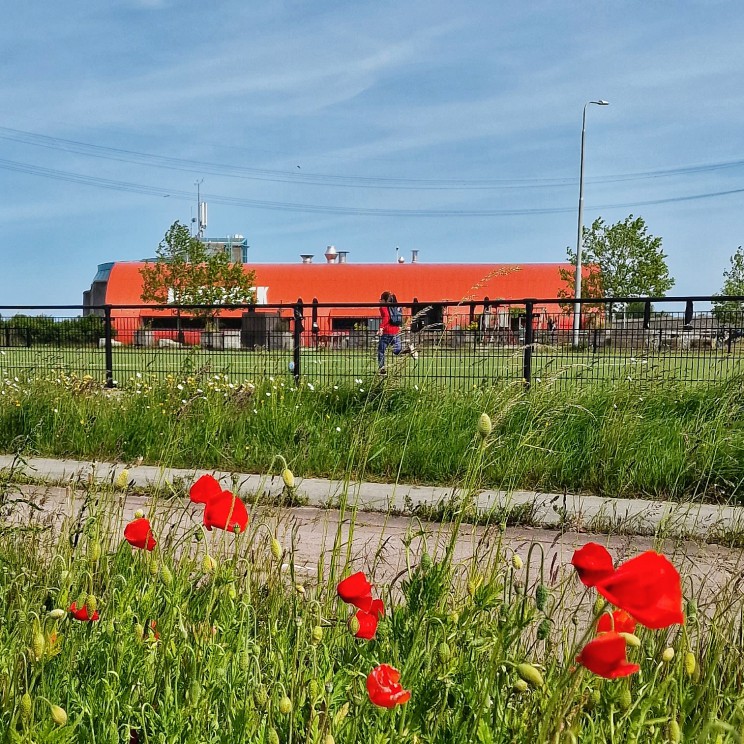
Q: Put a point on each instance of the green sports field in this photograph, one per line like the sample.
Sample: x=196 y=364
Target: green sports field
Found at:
x=461 y=367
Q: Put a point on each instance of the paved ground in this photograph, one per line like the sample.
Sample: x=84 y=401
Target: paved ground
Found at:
x=384 y=545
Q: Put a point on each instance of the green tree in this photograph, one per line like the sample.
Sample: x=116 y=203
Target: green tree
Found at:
x=185 y=272
x=731 y=311
x=625 y=261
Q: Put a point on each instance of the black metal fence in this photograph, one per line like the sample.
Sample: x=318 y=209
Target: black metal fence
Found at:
x=463 y=344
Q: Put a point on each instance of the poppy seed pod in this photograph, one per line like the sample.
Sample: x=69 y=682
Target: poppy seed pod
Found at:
x=485 y=427
x=288 y=478
x=59 y=716
x=276 y=549
x=530 y=674
x=285 y=706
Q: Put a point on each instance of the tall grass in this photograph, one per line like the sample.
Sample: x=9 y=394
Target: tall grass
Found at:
x=664 y=440
x=245 y=650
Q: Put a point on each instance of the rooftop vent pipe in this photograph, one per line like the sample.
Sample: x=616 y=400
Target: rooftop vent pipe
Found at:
x=342 y=256
x=307 y=258
x=331 y=254
x=414 y=255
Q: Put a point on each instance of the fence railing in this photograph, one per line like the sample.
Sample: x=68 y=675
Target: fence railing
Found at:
x=477 y=342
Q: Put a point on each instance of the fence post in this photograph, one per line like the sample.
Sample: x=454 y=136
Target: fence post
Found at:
x=107 y=335
x=528 y=339
x=297 y=338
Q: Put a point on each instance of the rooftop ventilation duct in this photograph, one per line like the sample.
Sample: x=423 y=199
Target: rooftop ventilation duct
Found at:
x=331 y=254
x=414 y=256
x=342 y=256
x=306 y=258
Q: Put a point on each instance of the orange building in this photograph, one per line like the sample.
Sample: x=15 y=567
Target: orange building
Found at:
x=120 y=283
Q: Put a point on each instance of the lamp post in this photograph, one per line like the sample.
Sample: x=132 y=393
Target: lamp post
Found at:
x=580 y=237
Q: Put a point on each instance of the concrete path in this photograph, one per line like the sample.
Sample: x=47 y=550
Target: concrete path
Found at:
x=702 y=521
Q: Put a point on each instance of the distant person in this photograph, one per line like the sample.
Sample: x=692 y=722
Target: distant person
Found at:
x=391 y=320
x=487 y=322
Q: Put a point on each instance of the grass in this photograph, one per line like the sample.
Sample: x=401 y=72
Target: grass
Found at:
x=246 y=650
x=662 y=440
x=460 y=368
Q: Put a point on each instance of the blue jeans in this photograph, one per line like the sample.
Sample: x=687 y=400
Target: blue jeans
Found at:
x=385 y=341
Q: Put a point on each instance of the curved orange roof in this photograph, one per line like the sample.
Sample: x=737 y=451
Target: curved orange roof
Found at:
x=285 y=283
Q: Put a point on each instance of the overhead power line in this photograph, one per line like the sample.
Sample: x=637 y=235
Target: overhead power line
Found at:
x=321 y=179
x=125 y=186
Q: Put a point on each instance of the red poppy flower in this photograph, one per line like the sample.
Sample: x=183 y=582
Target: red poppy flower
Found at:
x=593 y=563
x=605 y=656
x=226 y=512
x=383 y=686
x=620 y=621
x=648 y=588
x=377 y=608
x=367 y=625
x=357 y=591
x=138 y=534
x=82 y=613
x=206 y=488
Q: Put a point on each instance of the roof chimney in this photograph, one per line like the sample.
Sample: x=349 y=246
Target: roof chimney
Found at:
x=331 y=254
x=306 y=258
x=342 y=256
x=414 y=255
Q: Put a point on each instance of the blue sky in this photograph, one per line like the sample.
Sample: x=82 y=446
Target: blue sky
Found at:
x=453 y=128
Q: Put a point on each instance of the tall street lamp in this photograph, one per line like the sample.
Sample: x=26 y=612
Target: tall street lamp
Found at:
x=580 y=237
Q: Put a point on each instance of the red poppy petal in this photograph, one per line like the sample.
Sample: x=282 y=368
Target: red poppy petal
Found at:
x=367 y=625
x=206 y=488
x=138 y=534
x=356 y=590
x=648 y=587
x=377 y=608
x=605 y=657
x=593 y=563
x=226 y=512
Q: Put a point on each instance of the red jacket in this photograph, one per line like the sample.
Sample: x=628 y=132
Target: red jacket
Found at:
x=387 y=329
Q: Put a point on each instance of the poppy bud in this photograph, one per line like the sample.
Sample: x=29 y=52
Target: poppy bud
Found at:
x=300 y=589
x=244 y=660
x=317 y=634
x=667 y=654
x=484 y=425
x=166 y=575
x=194 y=691
x=139 y=514
x=530 y=674
x=285 y=706
x=444 y=653
x=599 y=605
x=154 y=569
x=208 y=563
x=690 y=664
x=595 y=697
x=26 y=707
x=426 y=562
x=288 y=478
x=543 y=629
x=354 y=625
x=57 y=614
x=230 y=591
x=92 y=604
x=631 y=639
x=276 y=549
x=624 y=701
x=37 y=645
x=541 y=596
x=59 y=716
x=122 y=480
x=473 y=585
x=139 y=631
x=517 y=562
x=94 y=551
x=520 y=686
x=273 y=737
x=453 y=617
x=674 y=733
x=341 y=713
x=261 y=697
x=64 y=578
x=313 y=689
x=329 y=739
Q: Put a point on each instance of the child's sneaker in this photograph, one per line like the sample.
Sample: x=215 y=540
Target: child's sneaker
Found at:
x=383 y=371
